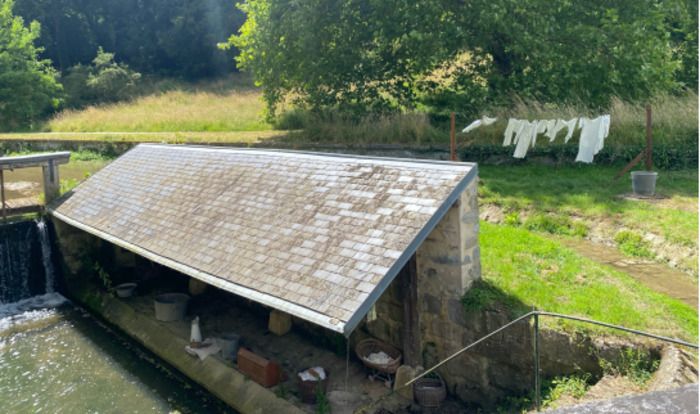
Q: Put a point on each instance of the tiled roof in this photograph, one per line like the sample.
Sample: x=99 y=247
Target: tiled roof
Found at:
x=319 y=236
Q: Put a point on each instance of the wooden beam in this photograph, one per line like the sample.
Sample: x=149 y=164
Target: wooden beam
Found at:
x=453 y=138
x=411 y=333
x=649 y=149
x=2 y=194
x=34 y=160
x=631 y=164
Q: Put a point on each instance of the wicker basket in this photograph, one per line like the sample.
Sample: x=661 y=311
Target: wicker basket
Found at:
x=430 y=392
x=309 y=389
x=369 y=346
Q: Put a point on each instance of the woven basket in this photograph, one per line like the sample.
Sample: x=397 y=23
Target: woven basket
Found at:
x=369 y=346
x=430 y=392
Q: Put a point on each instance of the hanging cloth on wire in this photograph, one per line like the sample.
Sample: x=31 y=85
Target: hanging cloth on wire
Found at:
x=485 y=120
x=525 y=139
x=513 y=128
x=593 y=134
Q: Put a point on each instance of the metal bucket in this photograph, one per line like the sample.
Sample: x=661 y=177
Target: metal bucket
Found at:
x=229 y=344
x=171 y=306
x=644 y=182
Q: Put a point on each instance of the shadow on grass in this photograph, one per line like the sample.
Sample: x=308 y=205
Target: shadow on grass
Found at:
x=484 y=295
x=579 y=186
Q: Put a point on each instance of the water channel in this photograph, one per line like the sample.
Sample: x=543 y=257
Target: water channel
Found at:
x=57 y=358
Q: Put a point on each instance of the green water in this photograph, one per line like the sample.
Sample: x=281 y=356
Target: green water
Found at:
x=62 y=360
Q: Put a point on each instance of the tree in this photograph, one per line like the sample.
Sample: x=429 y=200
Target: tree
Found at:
x=367 y=55
x=167 y=37
x=28 y=86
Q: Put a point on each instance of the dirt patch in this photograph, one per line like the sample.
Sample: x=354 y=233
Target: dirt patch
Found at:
x=601 y=231
x=654 y=275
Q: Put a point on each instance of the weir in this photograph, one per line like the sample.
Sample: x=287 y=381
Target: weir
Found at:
x=26 y=267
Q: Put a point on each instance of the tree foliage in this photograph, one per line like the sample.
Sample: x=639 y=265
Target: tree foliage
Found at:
x=368 y=55
x=167 y=37
x=104 y=81
x=28 y=86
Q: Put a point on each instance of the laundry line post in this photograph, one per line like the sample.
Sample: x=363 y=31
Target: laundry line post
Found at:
x=453 y=139
x=649 y=139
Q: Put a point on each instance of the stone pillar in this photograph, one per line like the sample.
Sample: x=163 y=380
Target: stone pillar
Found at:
x=447 y=264
x=52 y=184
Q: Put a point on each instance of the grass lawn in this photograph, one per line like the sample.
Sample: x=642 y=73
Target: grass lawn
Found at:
x=229 y=104
x=522 y=269
x=195 y=137
x=589 y=194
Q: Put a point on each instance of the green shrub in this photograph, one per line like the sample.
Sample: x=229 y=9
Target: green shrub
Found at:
x=636 y=364
x=575 y=386
x=28 y=86
x=555 y=224
x=512 y=219
x=103 y=81
x=633 y=244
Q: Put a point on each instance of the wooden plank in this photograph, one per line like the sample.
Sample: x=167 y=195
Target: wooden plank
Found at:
x=34 y=160
x=649 y=163
x=631 y=164
x=408 y=280
x=453 y=138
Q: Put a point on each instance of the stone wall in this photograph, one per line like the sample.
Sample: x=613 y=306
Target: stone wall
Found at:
x=447 y=264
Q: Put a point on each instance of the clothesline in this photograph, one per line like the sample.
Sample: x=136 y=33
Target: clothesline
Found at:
x=523 y=133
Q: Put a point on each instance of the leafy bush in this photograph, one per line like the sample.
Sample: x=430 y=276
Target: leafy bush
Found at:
x=512 y=219
x=636 y=364
x=556 y=224
x=28 y=86
x=633 y=244
x=575 y=386
x=104 y=81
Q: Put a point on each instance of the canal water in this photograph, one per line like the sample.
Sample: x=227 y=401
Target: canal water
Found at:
x=57 y=358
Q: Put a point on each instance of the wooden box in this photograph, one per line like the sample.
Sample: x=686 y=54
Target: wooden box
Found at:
x=263 y=371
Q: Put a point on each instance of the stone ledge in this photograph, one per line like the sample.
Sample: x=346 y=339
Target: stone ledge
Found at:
x=229 y=385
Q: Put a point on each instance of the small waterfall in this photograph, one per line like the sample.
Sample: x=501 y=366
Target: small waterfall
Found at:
x=25 y=268
x=46 y=255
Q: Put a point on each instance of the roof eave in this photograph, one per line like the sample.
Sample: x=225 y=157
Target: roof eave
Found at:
x=320 y=319
x=356 y=318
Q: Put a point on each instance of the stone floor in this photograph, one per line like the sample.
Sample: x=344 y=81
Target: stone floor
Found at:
x=220 y=313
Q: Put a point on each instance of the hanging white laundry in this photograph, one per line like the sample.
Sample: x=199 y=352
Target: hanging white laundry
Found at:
x=571 y=125
x=512 y=128
x=474 y=125
x=519 y=131
x=485 y=120
x=524 y=139
x=605 y=129
x=553 y=128
x=593 y=134
x=541 y=128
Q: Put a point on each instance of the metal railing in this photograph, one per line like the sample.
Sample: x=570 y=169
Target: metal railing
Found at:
x=536 y=345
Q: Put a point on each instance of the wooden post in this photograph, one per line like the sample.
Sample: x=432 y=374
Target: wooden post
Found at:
x=409 y=292
x=649 y=140
x=453 y=139
x=52 y=185
x=2 y=193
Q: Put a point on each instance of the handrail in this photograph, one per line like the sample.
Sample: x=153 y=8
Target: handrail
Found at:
x=456 y=354
x=536 y=314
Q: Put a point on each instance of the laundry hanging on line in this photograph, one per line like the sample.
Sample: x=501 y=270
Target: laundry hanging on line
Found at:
x=523 y=134
x=485 y=120
x=593 y=134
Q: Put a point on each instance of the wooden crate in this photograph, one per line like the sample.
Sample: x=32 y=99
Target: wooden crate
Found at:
x=263 y=371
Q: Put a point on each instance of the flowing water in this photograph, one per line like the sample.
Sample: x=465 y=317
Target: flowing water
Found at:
x=57 y=358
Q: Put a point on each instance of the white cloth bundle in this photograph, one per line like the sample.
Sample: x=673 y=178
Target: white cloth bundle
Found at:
x=485 y=120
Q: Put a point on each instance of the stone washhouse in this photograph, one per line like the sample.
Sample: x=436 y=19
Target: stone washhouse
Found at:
x=347 y=243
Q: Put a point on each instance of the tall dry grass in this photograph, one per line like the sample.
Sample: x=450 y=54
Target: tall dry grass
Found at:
x=223 y=105
x=675 y=120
